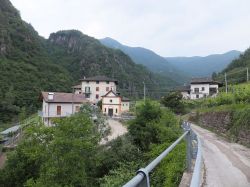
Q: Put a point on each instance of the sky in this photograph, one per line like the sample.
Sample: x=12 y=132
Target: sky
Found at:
x=168 y=27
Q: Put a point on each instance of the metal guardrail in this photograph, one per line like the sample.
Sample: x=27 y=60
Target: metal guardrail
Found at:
x=193 y=150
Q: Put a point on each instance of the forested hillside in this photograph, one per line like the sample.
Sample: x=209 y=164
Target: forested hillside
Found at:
x=198 y=66
x=30 y=63
x=25 y=66
x=150 y=59
x=237 y=70
x=85 y=56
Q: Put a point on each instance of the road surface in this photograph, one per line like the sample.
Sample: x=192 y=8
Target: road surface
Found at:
x=117 y=129
x=2 y=159
x=226 y=164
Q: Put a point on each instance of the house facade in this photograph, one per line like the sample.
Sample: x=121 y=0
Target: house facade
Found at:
x=114 y=104
x=200 y=88
x=58 y=105
x=95 y=87
x=203 y=87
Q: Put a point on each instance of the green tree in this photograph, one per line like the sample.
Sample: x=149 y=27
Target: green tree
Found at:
x=173 y=101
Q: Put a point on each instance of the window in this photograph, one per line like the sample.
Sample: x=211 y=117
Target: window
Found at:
x=197 y=96
x=87 y=82
x=58 y=110
x=97 y=89
x=110 y=101
x=107 y=89
x=116 y=110
x=107 y=82
x=196 y=90
x=87 y=89
x=203 y=88
x=97 y=96
x=97 y=82
x=77 y=108
x=105 y=110
x=87 y=95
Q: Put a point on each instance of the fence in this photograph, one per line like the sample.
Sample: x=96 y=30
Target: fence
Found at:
x=142 y=178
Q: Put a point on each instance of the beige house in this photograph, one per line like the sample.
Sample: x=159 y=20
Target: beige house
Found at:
x=58 y=104
x=95 y=87
x=114 y=104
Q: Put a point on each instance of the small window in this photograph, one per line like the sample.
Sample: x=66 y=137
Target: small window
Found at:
x=97 y=96
x=77 y=108
x=197 y=96
x=105 y=109
x=80 y=92
x=110 y=100
x=203 y=88
x=107 y=89
x=107 y=82
x=87 y=82
x=97 y=89
x=97 y=82
x=116 y=110
x=58 y=110
x=87 y=95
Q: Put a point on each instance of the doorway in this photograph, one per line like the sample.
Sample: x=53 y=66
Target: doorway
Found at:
x=110 y=112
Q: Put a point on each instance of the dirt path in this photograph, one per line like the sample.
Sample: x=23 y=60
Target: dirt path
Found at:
x=227 y=164
x=117 y=129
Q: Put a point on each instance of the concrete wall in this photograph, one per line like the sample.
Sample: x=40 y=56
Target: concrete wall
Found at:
x=102 y=89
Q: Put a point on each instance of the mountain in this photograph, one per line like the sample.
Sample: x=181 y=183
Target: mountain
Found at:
x=25 y=66
x=236 y=71
x=203 y=66
x=30 y=64
x=86 y=56
x=149 y=59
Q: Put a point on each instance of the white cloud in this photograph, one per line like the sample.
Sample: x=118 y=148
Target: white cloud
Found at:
x=170 y=28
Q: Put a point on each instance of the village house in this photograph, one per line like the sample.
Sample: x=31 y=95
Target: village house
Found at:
x=58 y=104
x=113 y=104
x=95 y=87
x=200 y=88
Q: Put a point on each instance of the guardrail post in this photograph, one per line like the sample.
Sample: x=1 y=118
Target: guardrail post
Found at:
x=189 y=150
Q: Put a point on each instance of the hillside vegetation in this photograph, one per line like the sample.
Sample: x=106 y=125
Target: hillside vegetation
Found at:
x=237 y=70
x=69 y=153
x=150 y=59
x=198 y=66
x=30 y=64
x=228 y=114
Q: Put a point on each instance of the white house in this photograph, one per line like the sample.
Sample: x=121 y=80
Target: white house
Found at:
x=58 y=104
x=203 y=87
x=114 y=104
x=200 y=88
x=95 y=87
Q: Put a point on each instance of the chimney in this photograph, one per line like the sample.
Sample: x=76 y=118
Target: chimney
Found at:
x=50 y=96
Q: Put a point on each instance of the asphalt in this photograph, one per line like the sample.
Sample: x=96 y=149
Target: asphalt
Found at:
x=226 y=164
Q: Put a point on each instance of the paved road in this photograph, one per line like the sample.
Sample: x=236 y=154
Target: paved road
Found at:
x=2 y=159
x=226 y=164
x=117 y=129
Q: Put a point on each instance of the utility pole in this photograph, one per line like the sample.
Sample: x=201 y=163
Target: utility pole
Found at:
x=144 y=91
x=247 y=75
x=226 y=81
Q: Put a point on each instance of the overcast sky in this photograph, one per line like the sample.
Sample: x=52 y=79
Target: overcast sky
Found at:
x=168 y=27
